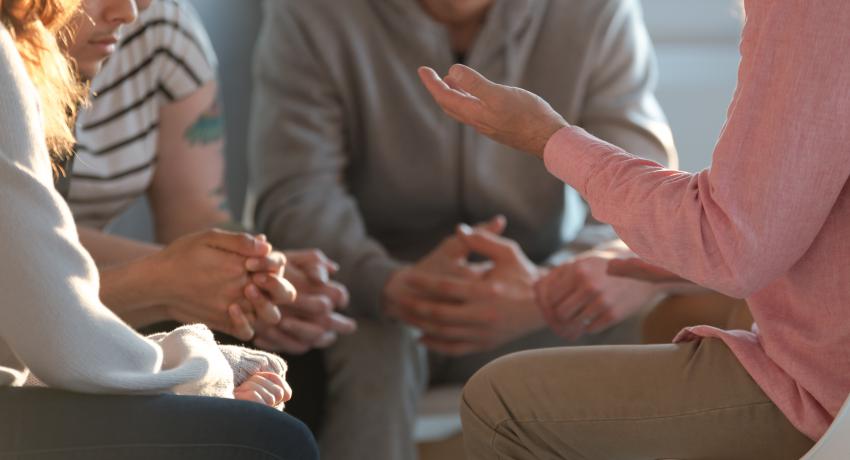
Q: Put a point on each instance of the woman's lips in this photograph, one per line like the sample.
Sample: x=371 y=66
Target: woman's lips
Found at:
x=104 y=46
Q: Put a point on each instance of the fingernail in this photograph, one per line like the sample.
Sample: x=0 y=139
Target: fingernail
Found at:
x=252 y=264
x=465 y=229
x=253 y=292
x=323 y=276
x=456 y=73
x=276 y=314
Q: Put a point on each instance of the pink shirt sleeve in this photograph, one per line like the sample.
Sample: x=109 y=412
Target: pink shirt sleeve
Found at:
x=779 y=167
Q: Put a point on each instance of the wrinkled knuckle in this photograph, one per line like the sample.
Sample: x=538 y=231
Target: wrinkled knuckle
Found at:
x=232 y=293
x=231 y=266
x=583 y=270
x=495 y=290
x=246 y=239
x=440 y=315
x=490 y=317
x=513 y=246
x=279 y=258
x=325 y=305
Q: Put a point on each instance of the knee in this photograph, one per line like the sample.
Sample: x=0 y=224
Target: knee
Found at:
x=485 y=394
x=270 y=430
x=379 y=353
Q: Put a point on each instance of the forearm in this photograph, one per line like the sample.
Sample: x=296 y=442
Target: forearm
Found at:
x=183 y=222
x=111 y=250
x=130 y=291
x=127 y=286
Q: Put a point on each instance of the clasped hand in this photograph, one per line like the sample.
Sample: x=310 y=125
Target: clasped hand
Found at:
x=463 y=307
x=238 y=284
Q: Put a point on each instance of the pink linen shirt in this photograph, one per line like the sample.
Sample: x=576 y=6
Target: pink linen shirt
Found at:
x=769 y=221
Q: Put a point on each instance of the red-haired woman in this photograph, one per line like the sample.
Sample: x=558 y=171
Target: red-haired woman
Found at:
x=53 y=325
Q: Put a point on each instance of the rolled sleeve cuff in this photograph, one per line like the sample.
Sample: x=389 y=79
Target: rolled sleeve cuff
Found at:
x=572 y=155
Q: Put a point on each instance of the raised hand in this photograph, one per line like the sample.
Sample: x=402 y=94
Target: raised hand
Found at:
x=508 y=115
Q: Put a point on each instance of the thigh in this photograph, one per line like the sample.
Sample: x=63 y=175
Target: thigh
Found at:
x=45 y=424
x=685 y=401
x=376 y=377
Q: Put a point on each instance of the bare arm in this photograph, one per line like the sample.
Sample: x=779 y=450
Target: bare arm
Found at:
x=188 y=192
x=110 y=250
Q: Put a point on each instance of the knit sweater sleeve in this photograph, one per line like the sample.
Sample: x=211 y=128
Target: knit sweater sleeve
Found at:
x=51 y=319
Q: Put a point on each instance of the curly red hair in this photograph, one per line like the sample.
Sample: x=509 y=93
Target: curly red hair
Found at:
x=38 y=27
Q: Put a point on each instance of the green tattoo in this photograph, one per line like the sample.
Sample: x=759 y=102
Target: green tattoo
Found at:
x=209 y=127
x=221 y=193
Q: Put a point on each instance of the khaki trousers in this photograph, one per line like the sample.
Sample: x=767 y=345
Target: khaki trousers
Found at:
x=683 y=401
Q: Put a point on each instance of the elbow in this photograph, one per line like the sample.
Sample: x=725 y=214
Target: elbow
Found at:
x=735 y=288
x=745 y=275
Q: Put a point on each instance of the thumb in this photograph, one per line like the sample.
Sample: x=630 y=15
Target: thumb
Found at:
x=239 y=243
x=466 y=79
x=490 y=245
x=495 y=225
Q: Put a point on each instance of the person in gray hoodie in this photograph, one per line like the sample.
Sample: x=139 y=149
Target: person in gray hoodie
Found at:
x=349 y=154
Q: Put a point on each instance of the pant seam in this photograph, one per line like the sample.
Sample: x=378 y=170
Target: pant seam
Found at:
x=638 y=419
x=138 y=446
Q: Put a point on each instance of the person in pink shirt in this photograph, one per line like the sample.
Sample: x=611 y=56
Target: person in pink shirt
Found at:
x=769 y=221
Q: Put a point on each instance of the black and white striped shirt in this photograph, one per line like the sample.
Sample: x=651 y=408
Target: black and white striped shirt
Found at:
x=163 y=57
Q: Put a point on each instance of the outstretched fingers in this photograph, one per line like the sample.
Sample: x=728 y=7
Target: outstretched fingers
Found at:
x=457 y=104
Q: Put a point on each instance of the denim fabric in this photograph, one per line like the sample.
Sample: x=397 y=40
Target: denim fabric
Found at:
x=46 y=424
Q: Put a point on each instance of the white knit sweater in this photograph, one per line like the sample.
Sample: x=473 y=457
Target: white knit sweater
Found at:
x=51 y=319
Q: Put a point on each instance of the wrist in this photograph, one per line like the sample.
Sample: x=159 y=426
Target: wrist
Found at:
x=147 y=316
x=130 y=290
x=388 y=293
x=555 y=124
x=126 y=287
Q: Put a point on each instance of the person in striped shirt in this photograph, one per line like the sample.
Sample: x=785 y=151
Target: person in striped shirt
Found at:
x=155 y=129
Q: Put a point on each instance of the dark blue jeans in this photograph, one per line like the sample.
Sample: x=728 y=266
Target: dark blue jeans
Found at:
x=43 y=424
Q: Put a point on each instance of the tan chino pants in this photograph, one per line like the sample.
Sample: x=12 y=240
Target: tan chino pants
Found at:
x=647 y=402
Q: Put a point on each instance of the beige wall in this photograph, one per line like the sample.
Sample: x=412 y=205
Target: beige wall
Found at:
x=697 y=46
